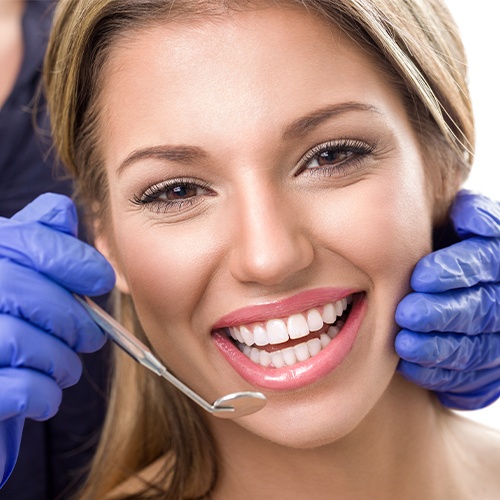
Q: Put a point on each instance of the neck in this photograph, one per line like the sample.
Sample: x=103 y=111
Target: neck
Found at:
x=399 y=450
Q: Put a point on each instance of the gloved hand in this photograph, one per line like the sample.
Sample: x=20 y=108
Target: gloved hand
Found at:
x=42 y=326
x=457 y=292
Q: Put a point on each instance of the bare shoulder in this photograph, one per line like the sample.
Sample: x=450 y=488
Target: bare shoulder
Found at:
x=149 y=475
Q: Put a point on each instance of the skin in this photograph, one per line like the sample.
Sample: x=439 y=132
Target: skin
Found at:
x=11 y=45
x=267 y=228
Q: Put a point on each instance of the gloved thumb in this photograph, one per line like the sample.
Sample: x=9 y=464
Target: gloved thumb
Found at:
x=10 y=439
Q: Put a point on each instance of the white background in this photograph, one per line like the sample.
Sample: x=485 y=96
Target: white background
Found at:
x=478 y=21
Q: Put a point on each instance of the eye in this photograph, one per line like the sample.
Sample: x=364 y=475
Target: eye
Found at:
x=330 y=157
x=334 y=156
x=178 y=192
x=174 y=194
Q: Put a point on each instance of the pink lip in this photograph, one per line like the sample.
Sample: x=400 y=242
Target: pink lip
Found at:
x=300 y=374
x=282 y=308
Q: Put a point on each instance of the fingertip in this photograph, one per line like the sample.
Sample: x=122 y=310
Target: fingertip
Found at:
x=83 y=274
x=72 y=373
x=404 y=345
x=412 y=312
x=107 y=279
x=47 y=402
x=407 y=370
x=476 y=214
x=425 y=276
x=90 y=273
x=50 y=209
x=91 y=341
x=28 y=393
x=466 y=402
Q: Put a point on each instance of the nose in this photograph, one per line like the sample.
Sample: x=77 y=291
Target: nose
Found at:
x=270 y=245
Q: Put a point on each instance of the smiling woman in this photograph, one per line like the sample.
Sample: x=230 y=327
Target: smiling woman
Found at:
x=264 y=176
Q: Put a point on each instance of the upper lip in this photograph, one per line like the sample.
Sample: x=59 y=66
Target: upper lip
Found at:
x=284 y=307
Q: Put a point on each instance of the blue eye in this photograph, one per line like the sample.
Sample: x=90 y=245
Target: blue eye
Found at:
x=335 y=155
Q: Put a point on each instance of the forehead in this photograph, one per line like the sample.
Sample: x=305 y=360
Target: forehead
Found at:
x=248 y=71
x=233 y=41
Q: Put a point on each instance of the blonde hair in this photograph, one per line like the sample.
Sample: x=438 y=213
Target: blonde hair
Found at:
x=418 y=45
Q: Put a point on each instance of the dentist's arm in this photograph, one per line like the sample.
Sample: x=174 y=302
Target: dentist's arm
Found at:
x=42 y=326
x=450 y=342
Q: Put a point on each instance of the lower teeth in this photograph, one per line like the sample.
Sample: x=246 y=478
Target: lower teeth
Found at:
x=291 y=355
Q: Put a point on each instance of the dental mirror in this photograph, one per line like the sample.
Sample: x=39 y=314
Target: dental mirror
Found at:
x=235 y=405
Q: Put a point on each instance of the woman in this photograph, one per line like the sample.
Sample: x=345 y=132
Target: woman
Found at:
x=264 y=177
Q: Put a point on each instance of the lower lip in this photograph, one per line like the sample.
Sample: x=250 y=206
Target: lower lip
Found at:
x=305 y=372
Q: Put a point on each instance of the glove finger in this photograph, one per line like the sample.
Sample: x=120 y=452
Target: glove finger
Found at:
x=471 y=311
x=23 y=345
x=464 y=264
x=62 y=258
x=11 y=431
x=53 y=210
x=475 y=214
x=448 y=350
x=444 y=380
x=471 y=401
x=36 y=299
x=28 y=393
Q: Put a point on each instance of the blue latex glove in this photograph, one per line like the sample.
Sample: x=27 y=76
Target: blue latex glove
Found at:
x=457 y=292
x=42 y=326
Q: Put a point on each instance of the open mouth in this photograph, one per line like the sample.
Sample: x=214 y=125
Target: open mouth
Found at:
x=286 y=341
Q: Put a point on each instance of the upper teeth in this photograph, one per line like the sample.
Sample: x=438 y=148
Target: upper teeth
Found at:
x=278 y=331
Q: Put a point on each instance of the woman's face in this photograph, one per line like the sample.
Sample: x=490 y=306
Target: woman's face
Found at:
x=263 y=176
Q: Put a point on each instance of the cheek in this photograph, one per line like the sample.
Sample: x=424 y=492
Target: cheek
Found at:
x=167 y=272
x=382 y=224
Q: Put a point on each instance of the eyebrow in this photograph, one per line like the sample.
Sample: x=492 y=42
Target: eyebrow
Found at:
x=305 y=124
x=164 y=152
x=298 y=128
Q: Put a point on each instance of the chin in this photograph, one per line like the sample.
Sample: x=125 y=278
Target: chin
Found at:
x=325 y=416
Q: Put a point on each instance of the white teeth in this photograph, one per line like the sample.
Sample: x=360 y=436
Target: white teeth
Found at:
x=289 y=356
x=302 y=352
x=235 y=333
x=324 y=339
x=277 y=359
x=276 y=331
x=314 y=320
x=297 y=326
x=260 y=336
x=255 y=355
x=339 y=308
x=265 y=358
x=248 y=337
x=314 y=346
x=329 y=315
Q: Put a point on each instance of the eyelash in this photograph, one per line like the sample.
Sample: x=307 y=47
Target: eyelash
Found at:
x=151 y=196
x=360 y=149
